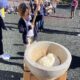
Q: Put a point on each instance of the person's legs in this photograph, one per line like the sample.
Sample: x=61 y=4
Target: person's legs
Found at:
x=35 y=33
x=1 y=47
x=71 y=14
x=2 y=55
x=24 y=38
x=38 y=25
x=72 y=11
x=1 y=44
x=79 y=13
x=54 y=10
x=41 y=24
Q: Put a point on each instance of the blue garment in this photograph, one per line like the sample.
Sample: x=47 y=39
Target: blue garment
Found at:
x=42 y=9
x=33 y=6
x=40 y=17
x=39 y=22
x=4 y=3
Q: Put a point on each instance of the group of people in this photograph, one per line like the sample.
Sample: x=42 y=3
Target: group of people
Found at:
x=27 y=12
x=31 y=20
x=52 y=5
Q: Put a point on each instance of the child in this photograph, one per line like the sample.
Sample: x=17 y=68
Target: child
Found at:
x=24 y=24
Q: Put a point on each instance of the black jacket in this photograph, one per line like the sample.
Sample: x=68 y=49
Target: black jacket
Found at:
x=22 y=26
x=23 y=29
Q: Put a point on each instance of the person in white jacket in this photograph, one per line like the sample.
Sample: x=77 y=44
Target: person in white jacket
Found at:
x=54 y=4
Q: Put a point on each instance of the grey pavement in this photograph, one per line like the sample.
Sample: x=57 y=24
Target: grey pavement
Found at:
x=58 y=28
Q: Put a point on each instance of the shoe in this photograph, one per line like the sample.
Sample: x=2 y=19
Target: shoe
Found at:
x=5 y=56
x=71 y=17
x=41 y=30
x=78 y=35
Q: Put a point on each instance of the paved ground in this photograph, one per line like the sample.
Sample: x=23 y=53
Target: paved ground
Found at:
x=60 y=29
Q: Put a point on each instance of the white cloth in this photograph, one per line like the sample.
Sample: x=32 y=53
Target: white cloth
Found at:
x=54 y=4
x=30 y=33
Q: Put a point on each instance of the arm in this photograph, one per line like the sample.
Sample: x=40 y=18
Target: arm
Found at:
x=35 y=12
x=20 y=27
x=76 y=4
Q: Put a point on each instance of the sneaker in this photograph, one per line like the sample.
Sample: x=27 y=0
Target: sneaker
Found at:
x=5 y=56
x=78 y=35
x=71 y=17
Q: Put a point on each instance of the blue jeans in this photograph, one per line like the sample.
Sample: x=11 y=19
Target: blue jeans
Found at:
x=41 y=24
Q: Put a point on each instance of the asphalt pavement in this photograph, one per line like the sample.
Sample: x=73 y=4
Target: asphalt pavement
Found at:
x=58 y=28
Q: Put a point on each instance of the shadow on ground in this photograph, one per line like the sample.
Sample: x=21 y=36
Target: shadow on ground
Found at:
x=9 y=75
x=61 y=17
x=18 y=44
x=20 y=53
x=11 y=27
x=12 y=63
x=18 y=57
x=75 y=62
x=50 y=31
x=63 y=6
x=11 y=23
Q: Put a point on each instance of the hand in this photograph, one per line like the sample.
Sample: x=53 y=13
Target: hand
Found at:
x=32 y=26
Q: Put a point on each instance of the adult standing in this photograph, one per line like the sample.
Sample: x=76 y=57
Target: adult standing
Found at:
x=74 y=5
x=40 y=16
x=2 y=26
x=3 y=4
x=54 y=5
x=32 y=5
x=39 y=22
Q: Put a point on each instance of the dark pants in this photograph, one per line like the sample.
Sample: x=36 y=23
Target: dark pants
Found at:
x=40 y=24
x=1 y=43
x=54 y=9
x=1 y=47
x=24 y=38
x=40 y=21
x=72 y=8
